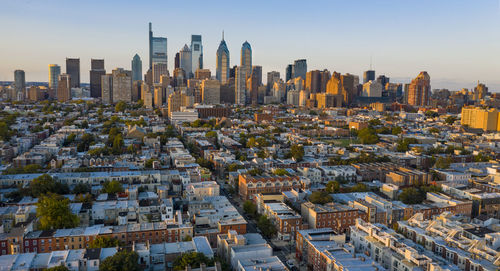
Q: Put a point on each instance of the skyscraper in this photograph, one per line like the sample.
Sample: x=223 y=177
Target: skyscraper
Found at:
x=107 y=88
x=289 y=72
x=73 y=69
x=222 y=69
x=136 y=68
x=210 y=91
x=196 y=53
x=419 y=90
x=159 y=69
x=257 y=70
x=186 y=61
x=96 y=71
x=272 y=77
x=64 y=88
x=177 y=60
x=122 y=85
x=253 y=89
x=300 y=68
x=240 y=86
x=157 y=48
x=368 y=75
x=313 y=81
x=246 y=58
x=19 y=81
x=54 y=72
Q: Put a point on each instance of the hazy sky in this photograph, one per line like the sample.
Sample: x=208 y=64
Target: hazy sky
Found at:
x=456 y=41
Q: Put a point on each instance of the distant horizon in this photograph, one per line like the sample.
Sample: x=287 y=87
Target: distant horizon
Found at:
x=401 y=38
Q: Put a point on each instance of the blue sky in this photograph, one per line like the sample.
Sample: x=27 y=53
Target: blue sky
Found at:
x=456 y=41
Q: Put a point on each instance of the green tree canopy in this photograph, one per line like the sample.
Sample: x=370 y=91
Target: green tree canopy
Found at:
x=46 y=184
x=193 y=259
x=250 y=208
x=112 y=187
x=368 y=136
x=54 y=212
x=120 y=106
x=320 y=197
x=57 y=268
x=105 y=241
x=333 y=187
x=266 y=226
x=297 y=152
x=123 y=260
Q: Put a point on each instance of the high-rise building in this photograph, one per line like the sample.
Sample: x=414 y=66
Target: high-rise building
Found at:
x=196 y=53
x=19 y=81
x=96 y=72
x=325 y=77
x=272 y=77
x=419 y=90
x=253 y=89
x=159 y=69
x=246 y=58
x=383 y=80
x=257 y=70
x=240 y=86
x=202 y=74
x=185 y=61
x=372 y=89
x=136 y=68
x=313 y=81
x=300 y=68
x=289 y=72
x=227 y=92
x=122 y=85
x=73 y=69
x=107 y=88
x=64 y=88
x=54 y=72
x=480 y=92
x=177 y=60
x=222 y=69
x=158 y=96
x=368 y=75
x=210 y=91
x=179 y=77
x=349 y=88
x=480 y=118
x=157 y=48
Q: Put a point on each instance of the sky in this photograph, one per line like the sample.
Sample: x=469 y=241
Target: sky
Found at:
x=456 y=41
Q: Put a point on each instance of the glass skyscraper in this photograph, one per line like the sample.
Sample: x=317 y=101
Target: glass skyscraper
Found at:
x=157 y=49
x=246 y=58
x=222 y=69
x=54 y=72
x=196 y=53
x=136 y=68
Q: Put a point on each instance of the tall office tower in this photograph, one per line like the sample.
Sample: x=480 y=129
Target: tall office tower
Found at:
x=350 y=90
x=136 y=90
x=136 y=68
x=158 y=96
x=253 y=89
x=19 y=81
x=148 y=96
x=177 y=60
x=368 y=75
x=300 y=68
x=372 y=89
x=227 y=93
x=179 y=78
x=272 y=77
x=73 y=69
x=419 y=90
x=202 y=74
x=334 y=85
x=257 y=70
x=289 y=72
x=159 y=69
x=325 y=77
x=122 y=85
x=196 y=53
x=96 y=71
x=222 y=69
x=246 y=58
x=240 y=86
x=54 y=72
x=185 y=61
x=232 y=72
x=278 y=90
x=210 y=91
x=157 y=49
x=480 y=92
x=313 y=81
x=64 y=88
x=107 y=88
x=383 y=80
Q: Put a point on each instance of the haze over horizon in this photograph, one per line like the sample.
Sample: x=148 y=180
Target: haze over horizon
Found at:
x=456 y=42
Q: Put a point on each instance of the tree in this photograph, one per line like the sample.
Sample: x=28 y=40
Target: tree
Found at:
x=54 y=212
x=211 y=134
x=404 y=145
x=120 y=106
x=320 y=197
x=105 y=241
x=81 y=188
x=46 y=184
x=117 y=144
x=280 y=172
x=261 y=154
x=333 y=187
x=411 y=195
x=58 y=268
x=396 y=130
x=5 y=132
x=297 y=152
x=193 y=259
x=450 y=120
x=234 y=167
x=149 y=162
x=250 y=208
x=368 y=136
x=123 y=260
x=266 y=226
x=112 y=187
x=434 y=130
x=360 y=187
x=443 y=163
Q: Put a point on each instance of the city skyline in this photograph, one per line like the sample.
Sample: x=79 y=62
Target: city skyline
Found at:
x=399 y=51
